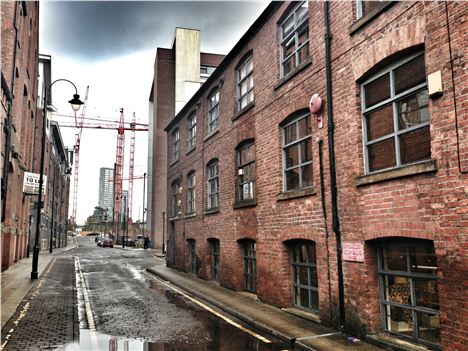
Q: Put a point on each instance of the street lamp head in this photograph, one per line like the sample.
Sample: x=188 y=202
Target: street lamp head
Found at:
x=76 y=102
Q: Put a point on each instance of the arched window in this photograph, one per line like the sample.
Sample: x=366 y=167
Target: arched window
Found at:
x=395 y=115
x=304 y=274
x=409 y=291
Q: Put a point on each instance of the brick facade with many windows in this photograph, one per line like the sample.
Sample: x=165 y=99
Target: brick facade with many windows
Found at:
x=254 y=202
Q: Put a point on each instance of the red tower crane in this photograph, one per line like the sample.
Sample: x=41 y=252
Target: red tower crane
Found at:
x=121 y=127
x=76 y=148
x=118 y=172
x=131 y=167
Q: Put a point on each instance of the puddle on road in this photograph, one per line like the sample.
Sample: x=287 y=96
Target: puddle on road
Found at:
x=95 y=341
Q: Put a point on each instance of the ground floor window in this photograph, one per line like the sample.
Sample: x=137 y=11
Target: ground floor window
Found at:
x=193 y=256
x=214 y=259
x=409 y=294
x=304 y=275
x=250 y=266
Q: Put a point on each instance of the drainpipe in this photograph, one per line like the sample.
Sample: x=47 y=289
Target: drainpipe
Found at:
x=331 y=155
x=324 y=210
x=8 y=127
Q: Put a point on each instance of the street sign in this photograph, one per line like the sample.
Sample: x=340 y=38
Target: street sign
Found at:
x=31 y=183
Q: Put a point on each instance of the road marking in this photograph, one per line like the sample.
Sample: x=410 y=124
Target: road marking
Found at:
x=209 y=309
x=25 y=309
x=84 y=289
x=316 y=336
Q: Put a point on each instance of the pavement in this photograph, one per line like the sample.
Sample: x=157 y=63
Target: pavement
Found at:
x=16 y=281
x=46 y=317
x=297 y=331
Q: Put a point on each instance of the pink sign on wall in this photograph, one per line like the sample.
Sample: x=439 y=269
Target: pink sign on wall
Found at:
x=353 y=251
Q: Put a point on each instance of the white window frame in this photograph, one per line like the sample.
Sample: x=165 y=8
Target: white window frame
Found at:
x=298 y=26
x=213 y=111
x=191 y=193
x=212 y=178
x=175 y=144
x=240 y=167
x=248 y=62
x=192 y=130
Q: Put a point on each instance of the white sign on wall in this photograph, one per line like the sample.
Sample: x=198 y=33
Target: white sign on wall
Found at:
x=31 y=183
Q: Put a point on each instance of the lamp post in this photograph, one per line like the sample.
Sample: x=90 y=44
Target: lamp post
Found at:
x=143 y=214
x=164 y=226
x=75 y=104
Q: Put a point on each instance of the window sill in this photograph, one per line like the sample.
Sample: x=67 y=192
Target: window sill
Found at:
x=212 y=211
x=308 y=315
x=405 y=171
x=173 y=163
x=388 y=341
x=190 y=215
x=296 y=193
x=245 y=203
x=190 y=151
x=293 y=73
x=214 y=132
x=363 y=21
x=172 y=219
x=244 y=110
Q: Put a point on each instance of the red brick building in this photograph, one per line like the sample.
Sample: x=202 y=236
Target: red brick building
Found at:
x=353 y=216
x=178 y=73
x=19 y=65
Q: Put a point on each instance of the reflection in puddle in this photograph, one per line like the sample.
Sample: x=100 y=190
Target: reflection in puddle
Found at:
x=95 y=341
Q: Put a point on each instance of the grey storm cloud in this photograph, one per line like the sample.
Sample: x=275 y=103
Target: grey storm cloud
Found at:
x=98 y=30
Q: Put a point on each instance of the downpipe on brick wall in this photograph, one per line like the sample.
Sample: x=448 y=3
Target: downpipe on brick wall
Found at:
x=453 y=90
x=325 y=220
x=331 y=155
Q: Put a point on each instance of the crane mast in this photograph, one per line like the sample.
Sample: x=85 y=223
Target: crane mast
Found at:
x=131 y=167
x=119 y=163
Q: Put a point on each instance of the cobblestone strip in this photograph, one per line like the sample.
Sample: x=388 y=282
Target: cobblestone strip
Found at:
x=47 y=316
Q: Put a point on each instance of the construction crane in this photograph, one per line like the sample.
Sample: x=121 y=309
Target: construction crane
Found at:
x=76 y=148
x=121 y=127
x=118 y=172
x=131 y=167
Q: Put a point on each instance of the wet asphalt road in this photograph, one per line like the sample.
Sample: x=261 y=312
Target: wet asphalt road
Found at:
x=131 y=307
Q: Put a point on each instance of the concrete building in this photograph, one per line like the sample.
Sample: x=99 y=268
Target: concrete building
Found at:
x=106 y=190
x=19 y=65
x=354 y=215
x=178 y=73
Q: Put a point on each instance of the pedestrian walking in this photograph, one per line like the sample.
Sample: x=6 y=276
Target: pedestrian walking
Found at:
x=146 y=242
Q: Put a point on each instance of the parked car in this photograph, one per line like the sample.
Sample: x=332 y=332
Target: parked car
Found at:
x=94 y=234
x=107 y=243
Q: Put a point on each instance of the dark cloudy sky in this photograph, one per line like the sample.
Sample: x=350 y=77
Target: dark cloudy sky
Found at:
x=110 y=47
x=95 y=30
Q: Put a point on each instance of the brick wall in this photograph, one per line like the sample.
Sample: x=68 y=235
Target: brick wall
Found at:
x=424 y=201
x=23 y=86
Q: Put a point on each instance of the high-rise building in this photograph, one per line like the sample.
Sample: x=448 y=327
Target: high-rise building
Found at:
x=106 y=190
